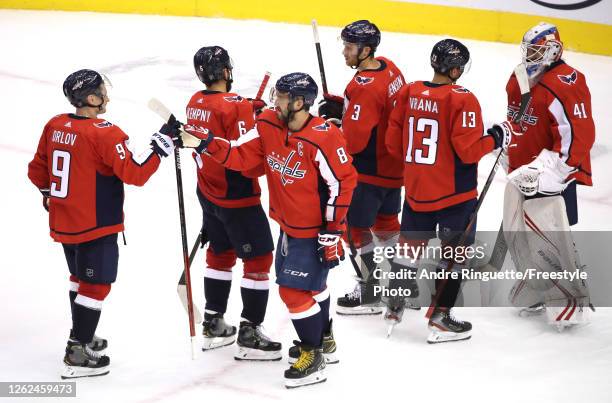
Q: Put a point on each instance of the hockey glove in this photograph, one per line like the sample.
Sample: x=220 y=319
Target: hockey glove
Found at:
x=502 y=134
x=45 y=200
x=331 y=107
x=163 y=145
x=258 y=105
x=331 y=250
x=196 y=137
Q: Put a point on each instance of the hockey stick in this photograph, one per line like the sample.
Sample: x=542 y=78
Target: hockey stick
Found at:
x=315 y=33
x=523 y=82
x=263 y=84
x=159 y=108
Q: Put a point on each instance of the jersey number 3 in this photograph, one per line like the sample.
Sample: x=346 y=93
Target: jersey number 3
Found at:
x=61 y=174
x=429 y=145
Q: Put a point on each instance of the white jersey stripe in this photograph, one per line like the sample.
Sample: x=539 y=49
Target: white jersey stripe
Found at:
x=565 y=129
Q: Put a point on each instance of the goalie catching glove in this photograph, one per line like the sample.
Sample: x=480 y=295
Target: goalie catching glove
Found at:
x=196 y=137
x=547 y=174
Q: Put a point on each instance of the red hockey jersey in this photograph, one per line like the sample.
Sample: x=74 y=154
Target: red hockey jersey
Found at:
x=438 y=132
x=83 y=163
x=229 y=116
x=309 y=173
x=369 y=99
x=558 y=118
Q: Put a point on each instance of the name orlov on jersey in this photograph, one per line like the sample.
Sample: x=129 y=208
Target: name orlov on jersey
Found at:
x=287 y=172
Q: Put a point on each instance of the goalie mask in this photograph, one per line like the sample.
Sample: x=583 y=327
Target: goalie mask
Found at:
x=541 y=47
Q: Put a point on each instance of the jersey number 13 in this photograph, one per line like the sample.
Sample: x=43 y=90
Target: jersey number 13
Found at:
x=424 y=153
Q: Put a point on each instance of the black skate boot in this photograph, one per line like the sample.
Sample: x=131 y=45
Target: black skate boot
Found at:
x=217 y=333
x=253 y=345
x=360 y=301
x=308 y=369
x=97 y=344
x=329 y=348
x=445 y=327
x=81 y=361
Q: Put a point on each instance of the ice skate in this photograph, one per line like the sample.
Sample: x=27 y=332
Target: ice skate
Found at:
x=445 y=327
x=253 y=345
x=394 y=313
x=329 y=348
x=97 y=344
x=81 y=361
x=217 y=333
x=358 y=302
x=533 y=310
x=308 y=369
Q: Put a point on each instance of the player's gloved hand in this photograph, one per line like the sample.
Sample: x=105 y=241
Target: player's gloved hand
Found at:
x=547 y=174
x=258 y=105
x=331 y=107
x=163 y=145
x=45 y=201
x=502 y=134
x=331 y=250
x=335 y=122
x=196 y=137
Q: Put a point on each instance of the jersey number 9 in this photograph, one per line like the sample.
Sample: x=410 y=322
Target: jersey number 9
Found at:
x=61 y=172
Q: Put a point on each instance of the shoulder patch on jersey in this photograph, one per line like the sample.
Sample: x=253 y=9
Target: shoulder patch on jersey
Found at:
x=103 y=124
x=200 y=100
x=322 y=127
x=461 y=90
x=235 y=98
x=568 y=79
x=363 y=80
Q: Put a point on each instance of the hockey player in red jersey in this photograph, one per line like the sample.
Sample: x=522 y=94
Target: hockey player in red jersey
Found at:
x=436 y=128
x=234 y=221
x=368 y=100
x=547 y=161
x=310 y=182
x=80 y=167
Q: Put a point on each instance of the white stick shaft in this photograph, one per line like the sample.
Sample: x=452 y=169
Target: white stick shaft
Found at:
x=315 y=31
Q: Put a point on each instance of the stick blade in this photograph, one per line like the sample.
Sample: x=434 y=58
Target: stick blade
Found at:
x=159 y=108
x=181 y=289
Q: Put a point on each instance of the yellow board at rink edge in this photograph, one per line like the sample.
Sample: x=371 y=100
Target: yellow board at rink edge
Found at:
x=395 y=16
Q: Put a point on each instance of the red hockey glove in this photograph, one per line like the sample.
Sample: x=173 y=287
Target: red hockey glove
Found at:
x=258 y=105
x=331 y=249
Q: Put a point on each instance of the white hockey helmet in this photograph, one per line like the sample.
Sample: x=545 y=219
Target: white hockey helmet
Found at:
x=541 y=46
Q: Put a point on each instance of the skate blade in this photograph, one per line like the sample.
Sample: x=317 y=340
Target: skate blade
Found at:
x=359 y=310
x=312 y=379
x=528 y=312
x=71 y=372
x=211 y=343
x=390 y=328
x=436 y=336
x=330 y=358
x=252 y=354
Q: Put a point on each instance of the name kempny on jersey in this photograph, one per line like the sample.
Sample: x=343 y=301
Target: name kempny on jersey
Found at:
x=284 y=169
x=63 y=138
x=202 y=115
x=395 y=86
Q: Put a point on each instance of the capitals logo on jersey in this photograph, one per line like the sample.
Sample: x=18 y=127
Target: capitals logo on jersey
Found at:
x=568 y=79
x=287 y=172
x=461 y=90
x=235 y=98
x=363 y=80
x=102 y=125
x=322 y=127
x=528 y=116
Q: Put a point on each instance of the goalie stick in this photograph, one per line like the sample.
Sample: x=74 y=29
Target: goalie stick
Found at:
x=159 y=108
x=315 y=34
x=523 y=82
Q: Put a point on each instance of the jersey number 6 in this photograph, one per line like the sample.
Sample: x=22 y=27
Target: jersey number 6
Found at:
x=422 y=156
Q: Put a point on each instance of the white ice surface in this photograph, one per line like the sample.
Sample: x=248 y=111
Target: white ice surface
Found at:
x=508 y=359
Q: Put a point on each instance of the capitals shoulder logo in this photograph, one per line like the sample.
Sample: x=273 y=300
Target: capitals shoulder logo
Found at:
x=363 y=80
x=461 y=90
x=322 y=127
x=235 y=98
x=102 y=125
x=568 y=79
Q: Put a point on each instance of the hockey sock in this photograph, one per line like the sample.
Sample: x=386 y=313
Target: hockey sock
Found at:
x=217 y=285
x=72 y=294
x=87 y=310
x=322 y=299
x=305 y=313
x=254 y=302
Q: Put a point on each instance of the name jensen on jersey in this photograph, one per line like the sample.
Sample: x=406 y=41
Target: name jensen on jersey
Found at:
x=284 y=169
x=395 y=86
x=421 y=104
x=60 y=137
x=202 y=115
